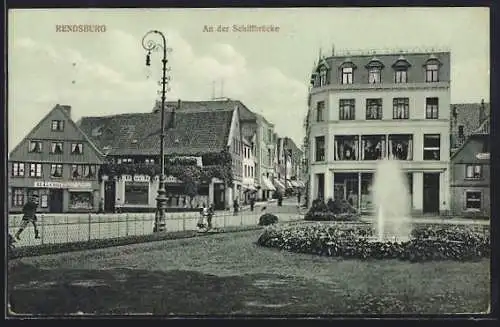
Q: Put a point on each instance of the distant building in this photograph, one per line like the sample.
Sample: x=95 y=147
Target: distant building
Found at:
x=367 y=107
x=465 y=119
x=289 y=163
x=200 y=137
x=248 y=167
x=470 y=174
x=57 y=162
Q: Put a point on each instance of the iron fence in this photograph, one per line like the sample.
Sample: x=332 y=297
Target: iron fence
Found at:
x=66 y=228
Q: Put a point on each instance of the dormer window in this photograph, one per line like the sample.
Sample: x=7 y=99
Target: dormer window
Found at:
x=347 y=75
x=401 y=67
x=322 y=76
x=374 y=75
x=432 y=70
x=375 y=67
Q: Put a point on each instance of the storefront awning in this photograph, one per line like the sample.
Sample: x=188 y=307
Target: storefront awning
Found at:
x=300 y=184
x=249 y=187
x=267 y=185
x=289 y=184
x=294 y=184
x=279 y=185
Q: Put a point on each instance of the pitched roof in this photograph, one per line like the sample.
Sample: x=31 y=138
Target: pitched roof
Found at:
x=211 y=105
x=483 y=129
x=138 y=133
x=65 y=109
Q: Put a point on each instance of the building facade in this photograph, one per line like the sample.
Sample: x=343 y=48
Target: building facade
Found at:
x=57 y=162
x=470 y=175
x=197 y=137
x=248 y=168
x=465 y=119
x=368 y=107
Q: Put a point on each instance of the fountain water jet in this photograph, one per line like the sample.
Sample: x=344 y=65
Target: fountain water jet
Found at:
x=392 y=202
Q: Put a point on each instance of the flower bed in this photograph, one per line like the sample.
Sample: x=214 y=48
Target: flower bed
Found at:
x=268 y=219
x=431 y=242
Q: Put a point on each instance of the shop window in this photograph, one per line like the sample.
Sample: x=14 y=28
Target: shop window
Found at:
x=136 y=193
x=17 y=169
x=35 y=147
x=373 y=147
x=17 y=197
x=473 y=200
x=56 y=148
x=401 y=147
x=473 y=171
x=346 y=147
x=81 y=200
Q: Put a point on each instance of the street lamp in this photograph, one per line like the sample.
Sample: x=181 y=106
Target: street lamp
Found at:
x=149 y=44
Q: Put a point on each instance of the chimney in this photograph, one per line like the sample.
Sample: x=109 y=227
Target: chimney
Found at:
x=482 y=112
x=66 y=108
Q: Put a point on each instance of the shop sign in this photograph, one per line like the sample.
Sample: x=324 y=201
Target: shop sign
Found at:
x=77 y=185
x=172 y=179
x=483 y=156
x=141 y=178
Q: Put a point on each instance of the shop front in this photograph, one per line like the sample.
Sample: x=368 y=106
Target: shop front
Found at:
x=58 y=197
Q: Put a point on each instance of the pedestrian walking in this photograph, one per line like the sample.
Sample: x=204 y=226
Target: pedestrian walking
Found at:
x=29 y=216
x=210 y=214
x=203 y=214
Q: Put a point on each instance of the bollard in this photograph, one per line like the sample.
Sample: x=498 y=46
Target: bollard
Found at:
x=126 y=225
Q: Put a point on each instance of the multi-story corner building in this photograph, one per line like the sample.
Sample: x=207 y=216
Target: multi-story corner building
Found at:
x=57 y=162
x=370 y=106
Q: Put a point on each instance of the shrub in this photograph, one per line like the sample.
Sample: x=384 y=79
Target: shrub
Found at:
x=268 y=219
x=348 y=241
x=333 y=210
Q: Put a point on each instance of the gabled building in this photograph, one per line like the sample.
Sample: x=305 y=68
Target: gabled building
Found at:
x=57 y=162
x=251 y=124
x=470 y=174
x=465 y=119
x=200 y=137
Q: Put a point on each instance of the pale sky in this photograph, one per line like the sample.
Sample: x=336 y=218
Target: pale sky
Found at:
x=269 y=72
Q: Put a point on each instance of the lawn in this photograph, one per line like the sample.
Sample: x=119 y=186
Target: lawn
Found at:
x=228 y=274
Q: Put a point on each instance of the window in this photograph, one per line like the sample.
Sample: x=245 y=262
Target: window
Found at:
x=461 y=131
x=269 y=135
x=473 y=171
x=136 y=193
x=374 y=75
x=57 y=148
x=320 y=111
x=373 y=109
x=149 y=161
x=401 y=147
x=35 y=170
x=44 y=201
x=80 y=200
x=58 y=125
x=347 y=75
x=17 y=169
x=76 y=148
x=83 y=171
x=372 y=147
x=320 y=148
x=56 y=170
x=432 y=108
x=432 y=73
x=401 y=76
x=473 y=200
x=346 y=109
x=35 y=146
x=322 y=77
x=17 y=197
x=432 y=147
x=346 y=147
x=124 y=160
x=401 y=108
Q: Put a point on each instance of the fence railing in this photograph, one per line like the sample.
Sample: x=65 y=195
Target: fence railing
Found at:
x=66 y=228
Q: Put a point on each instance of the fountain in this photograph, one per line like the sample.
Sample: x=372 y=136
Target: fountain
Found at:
x=392 y=202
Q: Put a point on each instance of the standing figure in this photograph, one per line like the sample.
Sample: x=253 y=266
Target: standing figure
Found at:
x=203 y=214
x=210 y=214
x=298 y=197
x=235 y=206
x=29 y=216
x=252 y=201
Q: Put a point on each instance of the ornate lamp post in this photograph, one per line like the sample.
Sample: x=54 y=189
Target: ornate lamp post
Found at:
x=150 y=45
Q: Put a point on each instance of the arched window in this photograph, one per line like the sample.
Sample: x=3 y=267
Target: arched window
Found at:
x=375 y=67
x=432 y=70
x=401 y=67
x=322 y=76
